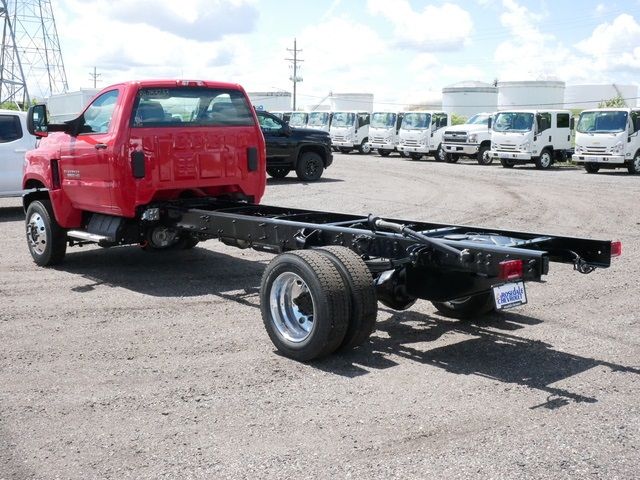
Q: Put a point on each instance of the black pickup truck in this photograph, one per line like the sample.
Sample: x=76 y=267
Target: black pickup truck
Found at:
x=306 y=151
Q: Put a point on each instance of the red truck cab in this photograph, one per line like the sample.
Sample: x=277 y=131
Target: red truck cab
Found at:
x=136 y=144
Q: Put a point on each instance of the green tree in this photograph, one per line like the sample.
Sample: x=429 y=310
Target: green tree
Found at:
x=615 y=102
x=457 y=119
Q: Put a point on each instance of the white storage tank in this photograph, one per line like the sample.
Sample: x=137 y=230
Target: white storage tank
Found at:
x=276 y=101
x=545 y=94
x=468 y=98
x=351 y=101
x=583 y=97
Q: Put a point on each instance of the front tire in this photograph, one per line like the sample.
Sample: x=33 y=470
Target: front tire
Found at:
x=364 y=147
x=440 y=155
x=591 y=167
x=466 y=307
x=451 y=157
x=310 y=167
x=304 y=304
x=634 y=166
x=384 y=153
x=506 y=163
x=545 y=160
x=278 y=172
x=47 y=241
x=483 y=155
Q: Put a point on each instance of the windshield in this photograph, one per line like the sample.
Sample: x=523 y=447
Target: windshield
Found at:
x=298 y=119
x=416 y=121
x=318 y=119
x=343 y=119
x=513 y=122
x=383 y=120
x=479 y=119
x=190 y=106
x=602 y=122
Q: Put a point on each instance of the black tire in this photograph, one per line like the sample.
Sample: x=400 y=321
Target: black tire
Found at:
x=187 y=242
x=506 y=163
x=483 y=157
x=364 y=147
x=344 y=150
x=440 y=155
x=468 y=307
x=278 y=172
x=310 y=167
x=47 y=241
x=384 y=153
x=415 y=156
x=451 y=157
x=325 y=298
x=403 y=154
x=545 y=160
x=364 y=304
x=634 y=167
x=591 y=167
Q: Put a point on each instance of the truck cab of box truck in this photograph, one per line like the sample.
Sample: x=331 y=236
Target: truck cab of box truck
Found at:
x=320 y=121
x=15 y=140
x=608 y=138
x=531 y=136
x=298 y=119
x=383 y=131
x=472 y=139
x=139 y=143
x=350 y=131
x=421 y=133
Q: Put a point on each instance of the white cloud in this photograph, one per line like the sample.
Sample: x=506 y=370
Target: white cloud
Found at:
x=614 y=46
x=436 y=28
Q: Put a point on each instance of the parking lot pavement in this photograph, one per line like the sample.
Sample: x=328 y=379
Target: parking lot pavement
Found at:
x=123 y=364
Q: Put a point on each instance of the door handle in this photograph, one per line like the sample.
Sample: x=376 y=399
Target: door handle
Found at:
x=100 y=146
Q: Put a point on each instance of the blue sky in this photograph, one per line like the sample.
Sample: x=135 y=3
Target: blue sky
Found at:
x=403 y=51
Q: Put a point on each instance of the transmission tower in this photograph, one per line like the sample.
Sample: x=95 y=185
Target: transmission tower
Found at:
x=32 y=65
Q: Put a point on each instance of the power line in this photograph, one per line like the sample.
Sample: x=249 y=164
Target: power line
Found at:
x=295 y=77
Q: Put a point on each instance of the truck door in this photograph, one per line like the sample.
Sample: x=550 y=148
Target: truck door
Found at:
x=276 y=136
x=543 y=136
x=14 y=142
x=563 y=131
x=86 y=159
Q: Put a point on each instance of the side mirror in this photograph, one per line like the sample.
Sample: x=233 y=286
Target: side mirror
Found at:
x=636 y=124
x=286 y=129
x=489 y=123
x=37 y=123
x=572 y=123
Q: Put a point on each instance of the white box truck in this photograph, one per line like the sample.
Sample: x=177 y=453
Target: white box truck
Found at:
x=350 y=131
x=531 y=136
x=67 y=106
x=471 y=139
x=608 y=138
x=421 y=133
x=383 y=132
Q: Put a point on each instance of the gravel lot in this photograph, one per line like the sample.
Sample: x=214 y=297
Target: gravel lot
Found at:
x=122 y=364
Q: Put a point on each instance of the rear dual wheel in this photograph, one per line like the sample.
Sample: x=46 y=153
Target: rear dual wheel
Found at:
x=314 y=302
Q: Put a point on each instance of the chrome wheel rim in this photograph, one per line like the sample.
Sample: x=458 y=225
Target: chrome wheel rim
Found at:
x=636 y=164
x=442 y=155
x=292 y=307
x=366 y=148
x=37 y=234
x=545 y=160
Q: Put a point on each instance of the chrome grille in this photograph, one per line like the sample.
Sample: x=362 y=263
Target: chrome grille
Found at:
x=506 y=146
x=596 y=150
x=412 y=143
x=455 y=137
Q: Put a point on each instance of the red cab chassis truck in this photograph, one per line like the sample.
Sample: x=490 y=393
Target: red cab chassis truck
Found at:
x=167 y=164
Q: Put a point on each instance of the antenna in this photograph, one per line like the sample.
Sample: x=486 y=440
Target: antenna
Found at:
x=30 y=50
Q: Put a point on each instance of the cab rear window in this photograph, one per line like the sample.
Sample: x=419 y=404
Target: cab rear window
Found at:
x=190 y=106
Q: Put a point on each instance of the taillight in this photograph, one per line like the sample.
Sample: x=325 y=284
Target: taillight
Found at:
x=616 y=248
x=510 y=269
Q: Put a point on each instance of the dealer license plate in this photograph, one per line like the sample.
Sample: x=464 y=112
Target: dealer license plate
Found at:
x=509 y=295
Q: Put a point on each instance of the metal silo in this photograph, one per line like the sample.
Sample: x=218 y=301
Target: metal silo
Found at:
x=543 y=94
x=589 y=96
x=469 y=98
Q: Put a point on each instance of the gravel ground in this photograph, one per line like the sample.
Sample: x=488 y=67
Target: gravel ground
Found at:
x=121 y=364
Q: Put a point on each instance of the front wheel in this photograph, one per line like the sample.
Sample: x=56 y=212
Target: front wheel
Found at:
x=383 y=153
x=591 y=167
x=451 y=157
x=634 y=166
x=441 y=155
x=278 y=172
x=415 y=156
x=305 y=304
x=544 y=161
x=47 y=241
x=402 y=154
x=483 y=156
x=310 y=167
x=506 y=163
x=466 y=307
x=364 y=147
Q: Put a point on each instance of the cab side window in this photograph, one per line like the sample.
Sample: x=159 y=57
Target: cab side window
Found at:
x=269 y=124
x=544 y=122
x=363 y=119
x=97 y=116
x=563 y=120
x=10 y=128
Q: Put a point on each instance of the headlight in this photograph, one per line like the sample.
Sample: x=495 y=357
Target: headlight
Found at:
x=525 y=146
x=473 y=138
x=617 y=148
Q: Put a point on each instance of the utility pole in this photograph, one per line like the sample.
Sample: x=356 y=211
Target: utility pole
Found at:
x=294 y=78
x=94 y=76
